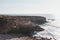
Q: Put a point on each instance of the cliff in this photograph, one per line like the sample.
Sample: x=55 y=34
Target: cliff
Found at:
x=25 y=25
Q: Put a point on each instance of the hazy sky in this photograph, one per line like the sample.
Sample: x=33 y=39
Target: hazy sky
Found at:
x=23 y=6
x=30 y=6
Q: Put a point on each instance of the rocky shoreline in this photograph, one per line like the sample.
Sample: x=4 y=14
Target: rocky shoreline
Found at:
x=24 y=25
x=18 y=37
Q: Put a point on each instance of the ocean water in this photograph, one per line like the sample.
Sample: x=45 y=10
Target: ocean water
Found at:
x=52 y=30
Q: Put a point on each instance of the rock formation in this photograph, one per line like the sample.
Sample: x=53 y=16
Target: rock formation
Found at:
x=25 y=25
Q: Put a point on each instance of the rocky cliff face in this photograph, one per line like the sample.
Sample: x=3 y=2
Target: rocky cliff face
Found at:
x=21 y=24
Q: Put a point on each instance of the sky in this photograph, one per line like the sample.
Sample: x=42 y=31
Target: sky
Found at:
x=24 y=6
x=30 y=6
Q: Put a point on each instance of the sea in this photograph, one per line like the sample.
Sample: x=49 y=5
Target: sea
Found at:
x=52 y=28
